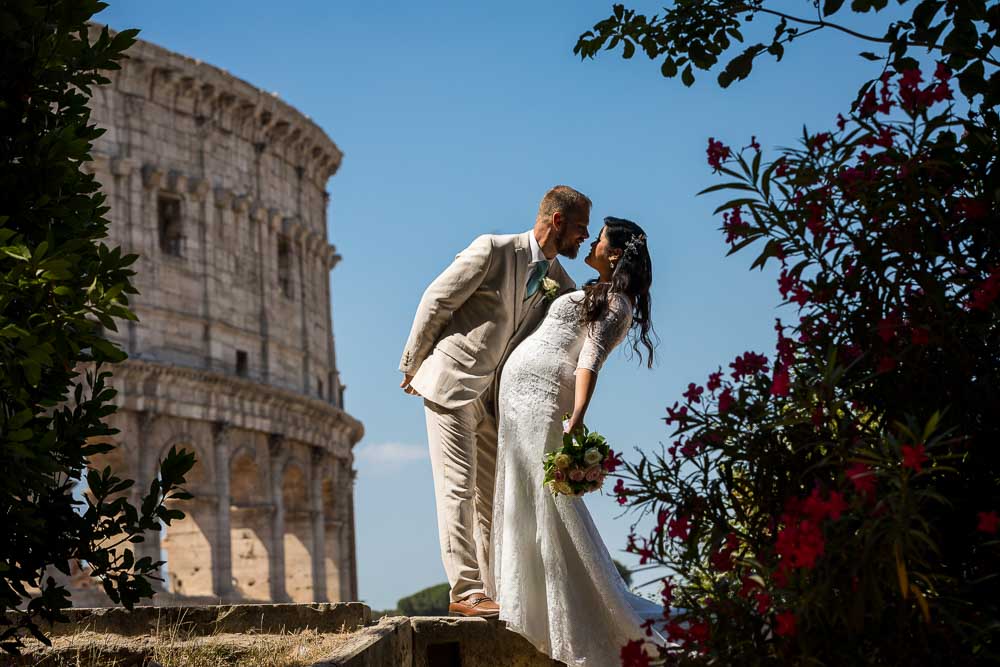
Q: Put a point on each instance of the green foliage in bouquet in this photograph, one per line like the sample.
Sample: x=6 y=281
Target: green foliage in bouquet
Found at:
x=837 y=502
x=59 y=284
x=580 y=465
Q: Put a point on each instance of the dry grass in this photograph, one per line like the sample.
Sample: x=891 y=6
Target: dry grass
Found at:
x=167 y=649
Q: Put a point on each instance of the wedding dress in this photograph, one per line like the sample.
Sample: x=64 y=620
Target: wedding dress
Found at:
x=555 y=581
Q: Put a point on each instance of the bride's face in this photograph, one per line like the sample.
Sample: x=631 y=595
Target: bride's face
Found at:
x=602 y=256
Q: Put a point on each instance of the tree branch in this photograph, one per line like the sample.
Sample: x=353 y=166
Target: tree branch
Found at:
x=826 y=24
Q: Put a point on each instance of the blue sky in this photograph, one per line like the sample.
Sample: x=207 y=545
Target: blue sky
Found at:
x=454 y=119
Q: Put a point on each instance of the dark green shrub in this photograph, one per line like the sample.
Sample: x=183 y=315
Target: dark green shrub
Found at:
x=58 y=286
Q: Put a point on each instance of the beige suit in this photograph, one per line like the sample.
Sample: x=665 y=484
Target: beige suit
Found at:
x=468 y=321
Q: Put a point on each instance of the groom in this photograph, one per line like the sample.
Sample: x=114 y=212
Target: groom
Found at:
x=468 y=321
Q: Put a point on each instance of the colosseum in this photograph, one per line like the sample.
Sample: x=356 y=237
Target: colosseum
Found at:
x=219 y=187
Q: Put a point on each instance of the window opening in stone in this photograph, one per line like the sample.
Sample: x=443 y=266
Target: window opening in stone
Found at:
x=285 y=266
x=241 y=363
x=171 y=226
x=319 y=385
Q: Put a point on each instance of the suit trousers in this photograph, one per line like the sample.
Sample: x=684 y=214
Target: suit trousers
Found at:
x=463 y=452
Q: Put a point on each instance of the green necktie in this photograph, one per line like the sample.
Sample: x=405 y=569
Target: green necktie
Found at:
x=535 y=281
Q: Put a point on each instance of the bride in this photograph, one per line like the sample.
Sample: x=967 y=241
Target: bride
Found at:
x=555 y=581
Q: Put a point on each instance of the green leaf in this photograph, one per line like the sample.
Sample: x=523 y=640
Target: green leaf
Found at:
x=687 y=76
x=735 y=185
x=831 y=6
x=17 y=251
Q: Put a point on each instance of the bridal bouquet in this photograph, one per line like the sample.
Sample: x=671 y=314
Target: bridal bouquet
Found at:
x=580 y=465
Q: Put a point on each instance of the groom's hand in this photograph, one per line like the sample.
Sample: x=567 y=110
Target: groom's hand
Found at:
x=405 y=385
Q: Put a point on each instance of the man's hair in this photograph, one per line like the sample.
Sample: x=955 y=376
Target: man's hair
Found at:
x=564 y=199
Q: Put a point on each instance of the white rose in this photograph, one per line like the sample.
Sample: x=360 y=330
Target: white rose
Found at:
x=592 y=456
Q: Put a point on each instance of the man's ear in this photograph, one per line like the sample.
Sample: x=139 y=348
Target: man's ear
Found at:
x=557 y=220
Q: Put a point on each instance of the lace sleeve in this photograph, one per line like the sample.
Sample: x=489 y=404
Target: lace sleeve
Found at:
x=605 y=334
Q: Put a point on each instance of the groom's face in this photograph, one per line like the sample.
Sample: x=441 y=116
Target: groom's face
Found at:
x=572 y=232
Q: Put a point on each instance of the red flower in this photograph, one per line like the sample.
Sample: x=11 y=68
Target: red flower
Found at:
x=818 y=509
x=887 y=328
x=722 y=560
x=987 y=292
x=693 y=393
x=885 y=364
x=714 y=381
x=748 y=586
x=818 y=140
x=972 y=209
x=914 y=457
x=661 y=520
x=763 y=602
x=621 y=492
x=841 y=122
x=786 y=283
x=675 y=414
x=698 y=632
x=734 y=225
x=717 y=153
x=748 y=363
x=679 y=527
x=780 y=385
x=800 y=544
x=725 y=400
x=800 y=295
x=633 y=655
x=785 y=624
x=835 y=505
x=988 y=522
x=667 y=594
x=753 y=143
x=611 y=461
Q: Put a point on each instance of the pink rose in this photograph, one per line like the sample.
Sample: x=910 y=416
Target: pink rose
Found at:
x=558 y=475
x=593 y=473
x=576 y=475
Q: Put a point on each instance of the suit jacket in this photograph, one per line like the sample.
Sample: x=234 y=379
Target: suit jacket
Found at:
x=471 y=317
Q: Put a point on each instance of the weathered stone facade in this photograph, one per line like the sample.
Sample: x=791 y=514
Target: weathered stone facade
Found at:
x=220 y=189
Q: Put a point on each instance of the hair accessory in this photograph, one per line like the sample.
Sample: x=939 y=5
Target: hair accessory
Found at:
x=635 y=243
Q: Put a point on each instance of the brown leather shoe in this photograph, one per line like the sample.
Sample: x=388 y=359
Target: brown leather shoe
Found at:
x=476 y=605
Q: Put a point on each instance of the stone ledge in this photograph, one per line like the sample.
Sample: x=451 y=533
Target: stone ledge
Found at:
x=200 y=621
x=440 y=641
x=390 y=642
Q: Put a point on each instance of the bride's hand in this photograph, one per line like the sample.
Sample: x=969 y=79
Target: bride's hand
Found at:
x=573 y=425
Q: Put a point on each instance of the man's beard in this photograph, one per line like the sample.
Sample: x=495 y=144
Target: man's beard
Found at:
x=567 y=248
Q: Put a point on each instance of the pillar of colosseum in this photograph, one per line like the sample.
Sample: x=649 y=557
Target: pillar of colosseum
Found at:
x=219 y=187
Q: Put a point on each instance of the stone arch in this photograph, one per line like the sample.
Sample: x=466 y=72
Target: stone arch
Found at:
x=297 y=539
x=187 y=545
x=201 y=476
x=250 y=526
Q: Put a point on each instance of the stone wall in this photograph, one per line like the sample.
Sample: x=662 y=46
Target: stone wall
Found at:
x=219 y=188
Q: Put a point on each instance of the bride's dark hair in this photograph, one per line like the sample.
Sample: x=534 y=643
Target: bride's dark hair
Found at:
x=632 y=276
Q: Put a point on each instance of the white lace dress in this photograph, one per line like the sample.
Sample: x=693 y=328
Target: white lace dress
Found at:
x=555 y=581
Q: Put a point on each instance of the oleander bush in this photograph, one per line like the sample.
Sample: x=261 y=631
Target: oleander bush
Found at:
x=836 y=501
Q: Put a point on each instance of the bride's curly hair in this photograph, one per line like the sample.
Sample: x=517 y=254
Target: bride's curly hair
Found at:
x=632 y=276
